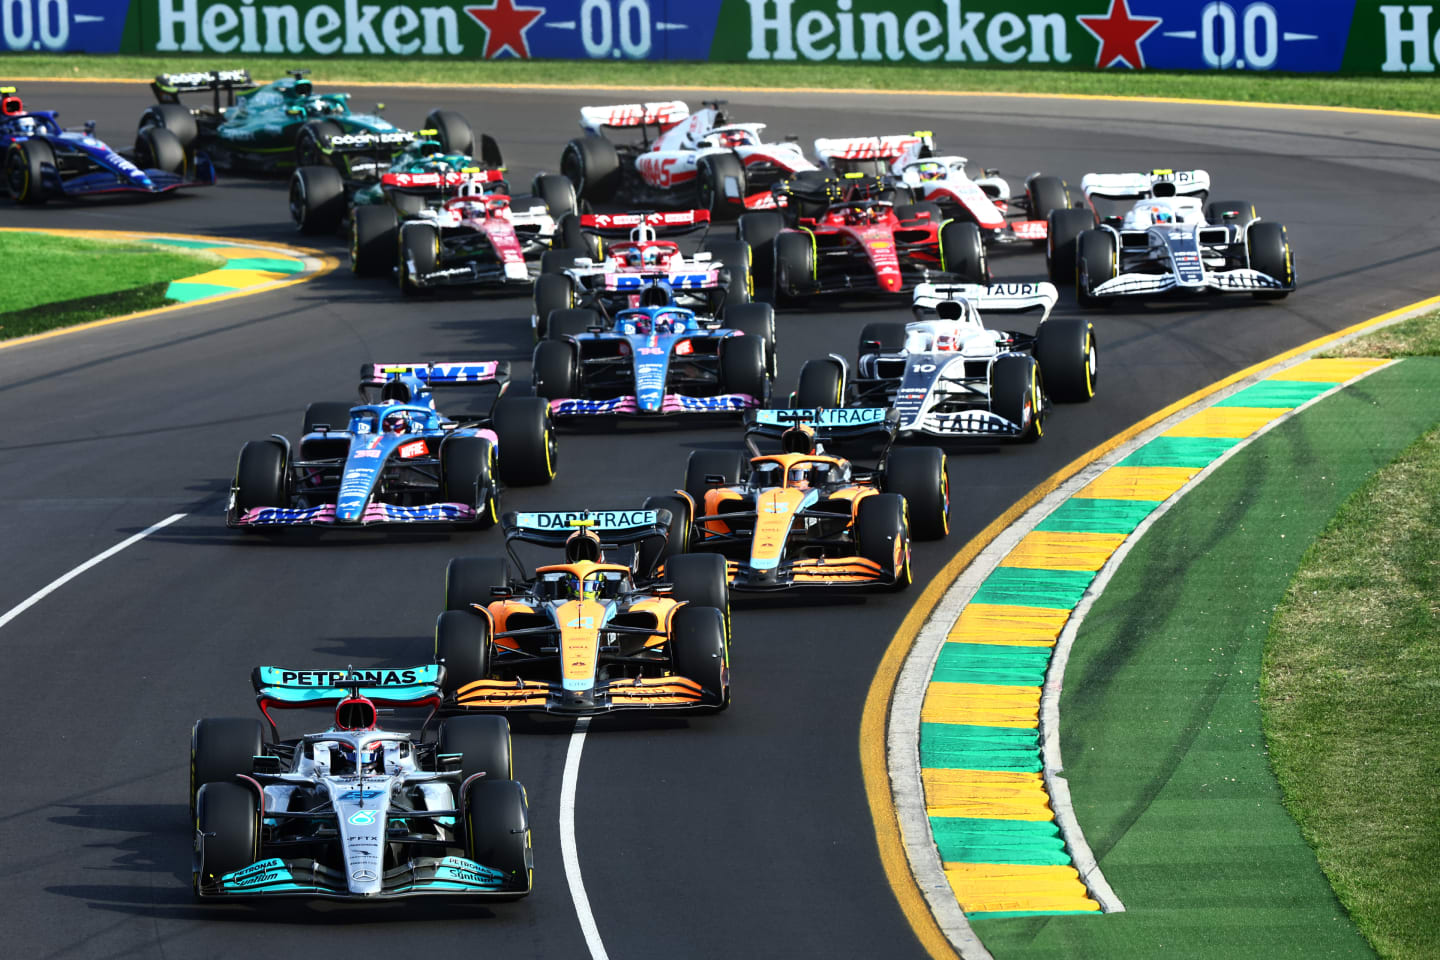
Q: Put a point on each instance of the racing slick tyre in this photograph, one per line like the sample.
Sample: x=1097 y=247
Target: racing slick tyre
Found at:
x=572 y=323
x=221 y=749
x=1044 y=195
x=962 y=252
x=701 y=580
x=175 y=118
x=1064 y=229
x=553 y=291
x=158 y=149
x=906 y=212
x=557 y=261
x=755 y=320
x=734 y=256
x=918 y=474
x=261 y=476
x=1238 y=212
x=557 y=192
x=882 y=337
x=317 y=199
x=527 y=440
x=1269 y=250
x=882 y=534
x=593 y=166
x=1095 y=263
x=677 y=537
x=497 y=830
x=1065 y=350
x=555 y=370
x=25 y=170
x=372 y=239
x=228 y=815
x=469 y=579
x=758 y=231
x=1015 y=394
x=725 y=464
x=333 y=413
x=574 y=240
x=743 y=368
x=699 y=651
x=419 y=255
x=406 y=205
x=467 y=475
x=312 y=144
x=462 y=643
x=822 y=384
x=794 y=266
x=452 y=130
x=721 y=183
x=483 y=743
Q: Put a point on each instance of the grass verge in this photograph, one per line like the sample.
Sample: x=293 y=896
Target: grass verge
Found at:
x=1416 y=94
x=70 y=280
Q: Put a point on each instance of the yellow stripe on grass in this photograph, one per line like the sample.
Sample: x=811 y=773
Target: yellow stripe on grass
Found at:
x=1000 y=623
x=999 y=887
x=1138 y=483
x=982 y=704
x=1226 y=422
x=988 y=794
x=234 y=279
x=1063 y=550
x=1329 y=369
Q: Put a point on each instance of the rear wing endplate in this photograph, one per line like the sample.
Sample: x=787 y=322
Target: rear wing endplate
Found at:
x=996 y=298
x=1139 y=186
x=660 y=113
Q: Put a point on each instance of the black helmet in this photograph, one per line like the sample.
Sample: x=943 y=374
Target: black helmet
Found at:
x=798 y=439
x=583 y=545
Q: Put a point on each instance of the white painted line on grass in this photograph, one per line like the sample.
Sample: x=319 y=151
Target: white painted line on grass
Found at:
x=568 y=851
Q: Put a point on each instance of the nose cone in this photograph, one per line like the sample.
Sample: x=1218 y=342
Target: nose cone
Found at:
x=890 y=282
x=650 y=401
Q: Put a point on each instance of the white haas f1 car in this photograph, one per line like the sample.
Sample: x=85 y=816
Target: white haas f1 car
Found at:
x=948 y=375
x=695 y=159
x=945 y=181
x=1170 y=241
x=707 y=281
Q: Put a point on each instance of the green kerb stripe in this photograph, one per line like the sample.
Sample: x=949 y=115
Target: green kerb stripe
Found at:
x=995 y=663
x=989 y=914
x=272 y=264
x=1026 y=587
x=1179 y=452
x=190 y=244
x=963 y=746
x=1276 y=393
x=1084 y=515
x=976 y=840
x=186 y=292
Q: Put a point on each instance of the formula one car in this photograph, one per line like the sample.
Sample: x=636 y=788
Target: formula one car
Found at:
x=283 y=124
x=397 y=459
x=802 y=517
x=356 y=812
x=44 y=161
x=1169 y=242
x=948 y=375
x=613 y=276
x=588 y=635
x=695 y=160
x=946 y=182
x=655 y=359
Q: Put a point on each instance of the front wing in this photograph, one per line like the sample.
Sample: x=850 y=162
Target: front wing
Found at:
x=421 y=876
x=1242 y=280
x=672 y=403
x=829 y=573
x=375 y=513
x=530 y=696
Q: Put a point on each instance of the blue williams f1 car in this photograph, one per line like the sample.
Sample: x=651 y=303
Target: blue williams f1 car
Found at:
x=655 y=359
x=394 y=458
x=42 y=160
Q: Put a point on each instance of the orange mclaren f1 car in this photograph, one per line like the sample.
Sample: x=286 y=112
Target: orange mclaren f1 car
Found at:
x=803 y=517
x=586 y=635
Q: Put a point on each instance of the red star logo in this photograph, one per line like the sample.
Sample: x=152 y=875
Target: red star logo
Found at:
x=505 y=26
x=1120 y=35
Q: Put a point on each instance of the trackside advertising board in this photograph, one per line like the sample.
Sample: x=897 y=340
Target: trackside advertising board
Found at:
x=1303 y=36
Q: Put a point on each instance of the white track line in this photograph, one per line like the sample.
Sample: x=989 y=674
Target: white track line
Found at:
x=60 y=581
x=568 y=851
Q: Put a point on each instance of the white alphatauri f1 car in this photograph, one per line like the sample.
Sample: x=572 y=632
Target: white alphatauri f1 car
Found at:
x=1169 y=241
x=946 y=182
x=948 y=375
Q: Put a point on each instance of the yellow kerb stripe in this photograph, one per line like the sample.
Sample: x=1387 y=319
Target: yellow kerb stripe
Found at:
x=982 y=704
x=1063 y=550
x=989 y=794
x=1330 y=370
x=1226 y=422
x=1015 y=886
x=234 y=279
x=1138 y=483
x=1018 y=626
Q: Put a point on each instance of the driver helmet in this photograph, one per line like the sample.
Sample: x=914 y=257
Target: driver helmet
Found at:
x=734 y=138
x=800 y=477
x=946 y=341
x=654 y=296
x=637 y=324
x=355 y=713
x=26 y=126
x=856 y=215
x=497 y=204
x=346 y=759
x=654 y=256
x=397 y=421
x=582 y=588
x=798 y=439
x=583 y=544
x=932 y=171
x=1160 y=214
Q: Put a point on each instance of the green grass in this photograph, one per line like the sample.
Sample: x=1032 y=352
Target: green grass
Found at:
x=70 y=280
x=1378 y=92
x=1416 y=337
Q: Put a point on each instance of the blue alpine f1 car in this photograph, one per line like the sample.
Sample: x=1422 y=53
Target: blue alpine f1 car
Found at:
x=394 y=458
x=43 y=160
x=656 y=359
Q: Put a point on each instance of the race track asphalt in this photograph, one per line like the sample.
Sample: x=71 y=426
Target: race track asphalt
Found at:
x=745 y=834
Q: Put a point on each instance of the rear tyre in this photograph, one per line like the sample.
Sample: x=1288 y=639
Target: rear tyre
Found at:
x=918 y=474
x=794 y=265
x=1065 y=350
x=175 y=118
x=317 y=199
x=734 y=256
x=962 y=252
x=158 y=149
x=1238 y=212
x=555 y=370
x=575 y=241
x=222 y=749
x=372 y=239
x=557 y=192
x=333 y=413
x=482 y=742
x=1015 y=394
x=754 y=320
x=1046 y=195
x=228 y=814
x=553 y=291
x=592 y=164
x=1095 y=263
x=497 y=831
x=701 y=580
x=822 y=384
x=742 y=368
x=699 y=651
x=758 y=231
x=462 y=643
x=419 y=255
x=881 y=337
x=882 y=535
x=312 y=144
x=572 y=323
x=725 y=464
x=25 y=171
x=469 y=579
x=721 y=178
x=557 y=261
x=1064 y=229
x=1269 y=250
x=467 y=472
x=527 y=441
x=260 y=476
x=452 y=130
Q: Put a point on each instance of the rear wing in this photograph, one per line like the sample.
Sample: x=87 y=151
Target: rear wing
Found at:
x=996 y=298
x=393 y=141
x=1139 y=186
x=660 y=113
x=436 y=373
x=169 y=86
x=872 y=148
x=286 y=688
x=612 y=526
x=620 y=224
x=833 y=424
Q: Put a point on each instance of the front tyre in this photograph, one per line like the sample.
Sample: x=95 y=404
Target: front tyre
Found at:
x=882 y=535
x=1064 y=229
x=317 y=199
x=25 y=165
x=821 y=386
x=527 y=440
x=261 y=476
x=419 y=255
x=700 y=651
x=962 y=252
x=721 y=179
x=227 y=815
x=1065 y=350
x=462 y=643
x=919 y=475
x=497 y=831
x=1095 y=263
x=467 y=471
x=1015 y=395
x=372 y=239
x=1269 y=250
